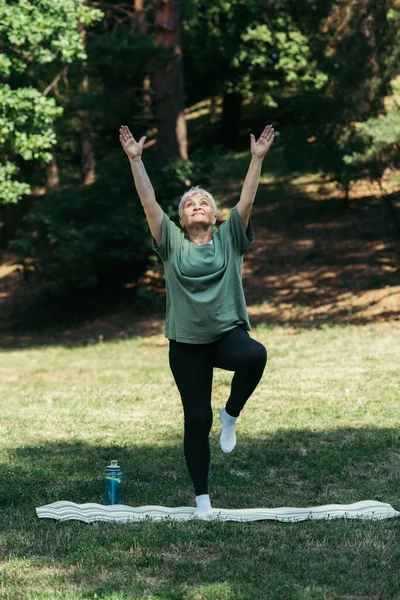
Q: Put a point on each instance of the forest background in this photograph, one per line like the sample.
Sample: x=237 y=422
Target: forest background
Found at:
x=197 y=78
x=322 y=284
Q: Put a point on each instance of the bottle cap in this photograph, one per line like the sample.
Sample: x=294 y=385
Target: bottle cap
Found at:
x=113 y=465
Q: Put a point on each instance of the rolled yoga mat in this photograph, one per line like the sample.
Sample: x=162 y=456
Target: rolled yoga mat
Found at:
x=66 y=511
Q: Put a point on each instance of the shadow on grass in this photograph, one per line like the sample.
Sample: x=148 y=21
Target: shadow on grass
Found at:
x=177 y=560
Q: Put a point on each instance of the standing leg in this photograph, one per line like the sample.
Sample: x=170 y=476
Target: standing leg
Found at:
x=238 y=352
x=192 y=368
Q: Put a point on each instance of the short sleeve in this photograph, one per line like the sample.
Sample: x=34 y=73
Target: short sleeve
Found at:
x=170 y=236
x=242 y=238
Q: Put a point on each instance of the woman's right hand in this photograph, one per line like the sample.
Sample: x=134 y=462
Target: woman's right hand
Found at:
x=132 y=148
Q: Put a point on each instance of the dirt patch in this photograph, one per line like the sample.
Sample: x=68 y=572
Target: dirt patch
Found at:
x=317 y=263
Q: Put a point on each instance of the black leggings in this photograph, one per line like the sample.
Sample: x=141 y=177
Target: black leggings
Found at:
x=192 y=367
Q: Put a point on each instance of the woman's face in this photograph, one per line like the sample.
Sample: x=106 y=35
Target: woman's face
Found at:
x=197 y=210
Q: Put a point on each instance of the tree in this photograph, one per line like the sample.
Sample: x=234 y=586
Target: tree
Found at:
x=33 y=35
x=168 y=81
x=85 y=236
x=250 y=49
x=360 y=58
x=88 y=160
x=375 y=149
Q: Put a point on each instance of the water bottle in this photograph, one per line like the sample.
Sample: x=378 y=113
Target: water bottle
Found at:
x=113 y=475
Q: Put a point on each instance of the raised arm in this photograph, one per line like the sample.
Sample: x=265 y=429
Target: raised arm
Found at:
x=154 y=212
x=259 y=149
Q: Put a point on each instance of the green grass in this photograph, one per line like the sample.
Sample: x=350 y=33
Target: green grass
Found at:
x=322 y=427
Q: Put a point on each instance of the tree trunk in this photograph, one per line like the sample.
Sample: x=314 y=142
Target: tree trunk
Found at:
x=141 y=27
x=346 y=199
x=168 y=83
x=141 y=22
x=52 y=173
x=230 y=123
x=88 y=161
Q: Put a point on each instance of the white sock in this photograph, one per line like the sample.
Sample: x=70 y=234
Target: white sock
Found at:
x=204 y=509
x=228 y=433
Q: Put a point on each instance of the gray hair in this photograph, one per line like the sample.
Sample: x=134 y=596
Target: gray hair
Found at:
x=196 y=190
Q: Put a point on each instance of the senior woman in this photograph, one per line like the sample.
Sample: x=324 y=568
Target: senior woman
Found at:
x=206 y=317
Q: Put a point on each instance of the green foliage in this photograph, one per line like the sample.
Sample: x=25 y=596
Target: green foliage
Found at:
x=26 y=130
x=40 y=33
x=274 y=48
x=377 y=139
x=117 y=65
x=283 y=50
x=337 y=128
x=362 y=67
x=79 y=237
x=10 y=189
x=43 y=31
x=26 y=120
x=321 y=61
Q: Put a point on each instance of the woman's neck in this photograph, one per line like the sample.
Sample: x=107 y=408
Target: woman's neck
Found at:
x=199 y=236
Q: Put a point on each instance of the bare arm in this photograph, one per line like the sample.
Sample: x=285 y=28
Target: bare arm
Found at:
x=249 y=190
x=259 y=149
x=154 y=212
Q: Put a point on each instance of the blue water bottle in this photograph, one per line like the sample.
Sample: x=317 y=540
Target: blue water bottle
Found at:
x=113 y=476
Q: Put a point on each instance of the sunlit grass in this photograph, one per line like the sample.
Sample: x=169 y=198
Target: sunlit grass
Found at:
x=322 y=427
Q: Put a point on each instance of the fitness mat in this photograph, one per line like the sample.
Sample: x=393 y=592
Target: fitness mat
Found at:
x=65 y=511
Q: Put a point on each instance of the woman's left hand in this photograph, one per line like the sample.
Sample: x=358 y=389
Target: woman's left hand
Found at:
x=261 y=146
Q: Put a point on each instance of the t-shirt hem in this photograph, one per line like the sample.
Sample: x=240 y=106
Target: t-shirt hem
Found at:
x=183 y=340
x=196 y=341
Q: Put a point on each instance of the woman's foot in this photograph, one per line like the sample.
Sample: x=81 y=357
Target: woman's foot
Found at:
x=228 y=433
x=204 y=509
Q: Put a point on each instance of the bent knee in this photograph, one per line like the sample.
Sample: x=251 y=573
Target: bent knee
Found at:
x=198 y=422
x=257 y=354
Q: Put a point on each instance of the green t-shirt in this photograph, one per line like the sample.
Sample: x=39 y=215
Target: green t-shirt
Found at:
x=205 y=297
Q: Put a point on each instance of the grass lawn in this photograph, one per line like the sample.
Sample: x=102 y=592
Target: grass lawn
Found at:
x=321 y=428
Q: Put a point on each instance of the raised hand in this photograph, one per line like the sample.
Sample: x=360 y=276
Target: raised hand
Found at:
x=261 y=146
x=132 y=148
